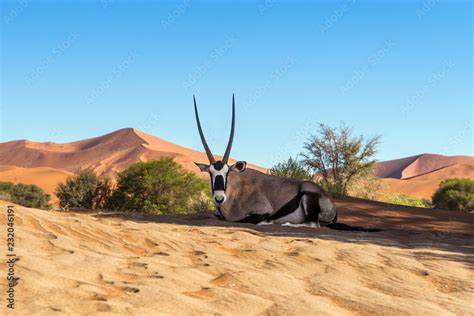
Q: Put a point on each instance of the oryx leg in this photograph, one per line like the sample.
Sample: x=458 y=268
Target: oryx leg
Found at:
x=310 y=224
x=265 y=223
x=310 y=204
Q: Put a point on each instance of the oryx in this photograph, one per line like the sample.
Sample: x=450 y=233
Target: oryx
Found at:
x=242 y=194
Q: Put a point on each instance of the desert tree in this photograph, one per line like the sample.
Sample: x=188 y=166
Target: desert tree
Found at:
x=291 y=168
x=338 y=158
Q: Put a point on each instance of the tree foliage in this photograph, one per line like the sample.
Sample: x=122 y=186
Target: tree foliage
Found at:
x=338 y=158
x=293 y=169
x=30 y=195
x=455 y=194
x=160 y=187
x=84 y=190
x=366 y=185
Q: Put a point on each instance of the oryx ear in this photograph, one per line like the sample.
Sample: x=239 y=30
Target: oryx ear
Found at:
x=202 y=166
x=239 y=166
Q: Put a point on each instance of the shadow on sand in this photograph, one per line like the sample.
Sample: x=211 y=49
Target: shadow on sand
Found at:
x=362 y=222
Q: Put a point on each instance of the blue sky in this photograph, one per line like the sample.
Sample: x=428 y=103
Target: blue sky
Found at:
x=400 y=69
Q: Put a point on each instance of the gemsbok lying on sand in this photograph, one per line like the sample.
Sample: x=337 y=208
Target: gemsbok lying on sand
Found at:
x=247 y=195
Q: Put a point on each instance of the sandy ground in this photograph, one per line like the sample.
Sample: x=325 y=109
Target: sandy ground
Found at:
x=69 y=263
x=424 y=186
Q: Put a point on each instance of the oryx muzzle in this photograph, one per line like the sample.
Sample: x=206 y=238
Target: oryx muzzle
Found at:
x=257 y=197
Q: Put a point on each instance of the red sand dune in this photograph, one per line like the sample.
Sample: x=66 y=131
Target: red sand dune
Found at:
x=425 y=185
x=44 y=177
x=414 y=166
x=106 y=154
x=421 y=175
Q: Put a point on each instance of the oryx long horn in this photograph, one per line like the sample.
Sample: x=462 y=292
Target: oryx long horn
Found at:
x=203 y=139
x=231 y=137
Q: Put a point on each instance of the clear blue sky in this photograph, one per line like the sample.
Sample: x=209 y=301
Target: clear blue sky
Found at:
x=401 y=69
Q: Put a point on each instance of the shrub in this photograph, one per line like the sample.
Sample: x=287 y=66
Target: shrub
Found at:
x=160 y=187
x=30 y=195
x=407 y=200
x=5 y=189
x=367 y=186
x=292 y=169
x=455 y=194
x=84 y=190
x=338 y=158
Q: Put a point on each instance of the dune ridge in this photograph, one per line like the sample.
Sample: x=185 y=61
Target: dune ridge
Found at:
x=105 y=154
x=425 y=185
x=414 y=166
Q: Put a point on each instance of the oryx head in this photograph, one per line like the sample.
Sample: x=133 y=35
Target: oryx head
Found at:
x=218 y=170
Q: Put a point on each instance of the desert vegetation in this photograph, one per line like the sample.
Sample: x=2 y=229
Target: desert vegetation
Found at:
x=152 y=187
x=344 y=165
x=455 y=194
x=84 y=190
x=338 y=159
x=160 y=187
x=406 y=200
x=28 y=195
x=293 y=169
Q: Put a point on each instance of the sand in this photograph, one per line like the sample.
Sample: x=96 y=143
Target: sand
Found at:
x=44 y=177
x=106 y=155
x=421 y=263
x=425 y=185
x=409 y=167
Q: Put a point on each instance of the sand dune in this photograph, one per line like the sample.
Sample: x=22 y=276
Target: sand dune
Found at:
x=425 y=185
x=414 y=166
x=105 y=154
x=83 y=263
x=44 y=177
x=47 y=163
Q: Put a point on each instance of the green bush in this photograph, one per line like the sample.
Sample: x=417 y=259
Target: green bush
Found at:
x=407 y=200
x=292 y=169
x=160 y=187
x=5 y=189
x=29 y=195
x=455 y=194
x=84 y=190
